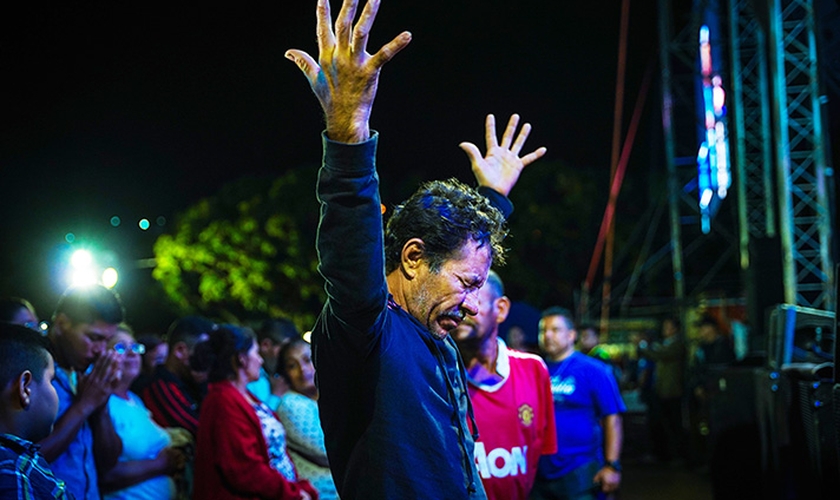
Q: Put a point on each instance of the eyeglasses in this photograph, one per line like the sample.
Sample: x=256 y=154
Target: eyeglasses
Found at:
x=38 y=326
x=122 y=348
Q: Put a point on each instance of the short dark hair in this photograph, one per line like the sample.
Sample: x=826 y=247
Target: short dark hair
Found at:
x=445 y=215
x=188 y=330
x=225 y=343
x=10 y=306
x=562 y=312
x=495 y=284
x=281 y=357
x=150 y=340
x=22 y=349
x=88 y=304
x=278 y=330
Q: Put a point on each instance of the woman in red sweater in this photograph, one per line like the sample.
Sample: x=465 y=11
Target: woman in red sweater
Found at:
x=241 y=446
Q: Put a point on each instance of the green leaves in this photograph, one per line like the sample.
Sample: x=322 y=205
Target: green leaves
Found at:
x=246 y=253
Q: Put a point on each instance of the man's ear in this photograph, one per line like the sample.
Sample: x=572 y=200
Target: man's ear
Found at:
x=502 y=308
x=412 y=256
x=23 y=388
x=182 y=351
x=266 y=345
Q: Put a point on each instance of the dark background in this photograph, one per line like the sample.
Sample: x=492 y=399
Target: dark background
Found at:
x=139 y=110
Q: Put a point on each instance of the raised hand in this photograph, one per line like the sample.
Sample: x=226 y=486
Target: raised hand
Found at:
x=499 y=169
x=345 y=77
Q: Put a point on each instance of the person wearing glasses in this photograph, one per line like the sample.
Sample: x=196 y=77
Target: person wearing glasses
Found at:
x=148 y=460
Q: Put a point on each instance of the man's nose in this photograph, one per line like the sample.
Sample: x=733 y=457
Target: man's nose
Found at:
x=99 y=347
x=471 y=302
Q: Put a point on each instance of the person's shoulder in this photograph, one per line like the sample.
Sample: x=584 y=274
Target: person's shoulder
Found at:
x=590 y=363
x=526 y=359
x=222 y=398
x=163 y=375
x=11 y=446
x=525 y=356
x=291 y=399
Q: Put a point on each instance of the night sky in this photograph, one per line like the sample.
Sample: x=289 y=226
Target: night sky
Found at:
x=140 y=109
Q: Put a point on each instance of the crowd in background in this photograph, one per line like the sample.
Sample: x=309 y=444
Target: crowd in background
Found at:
x=205 y=407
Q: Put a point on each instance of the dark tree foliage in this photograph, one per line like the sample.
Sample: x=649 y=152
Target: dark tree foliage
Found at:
x=246 y=253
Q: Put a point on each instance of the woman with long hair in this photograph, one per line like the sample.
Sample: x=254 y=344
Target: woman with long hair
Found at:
x=241 y=446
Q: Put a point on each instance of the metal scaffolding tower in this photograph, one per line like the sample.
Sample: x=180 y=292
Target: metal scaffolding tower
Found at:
x=777 y=132
x=752 y=138
x=678 y=35
x=804 y=216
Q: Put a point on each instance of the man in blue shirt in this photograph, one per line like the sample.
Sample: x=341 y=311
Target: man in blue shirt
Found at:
x=587 y=411
x=84 y=321
x=28 y=405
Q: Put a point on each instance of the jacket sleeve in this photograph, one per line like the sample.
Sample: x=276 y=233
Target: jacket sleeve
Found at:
x=169 y=406
x=350 y=241
x=240 y=453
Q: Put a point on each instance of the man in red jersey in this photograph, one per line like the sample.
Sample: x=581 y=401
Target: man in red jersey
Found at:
x=511 y=397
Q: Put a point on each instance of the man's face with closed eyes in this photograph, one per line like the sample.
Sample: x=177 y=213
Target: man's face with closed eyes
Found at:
x=444 y=298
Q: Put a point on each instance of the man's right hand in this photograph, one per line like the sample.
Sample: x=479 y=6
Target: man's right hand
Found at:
x=345 y=77
x=95 y=388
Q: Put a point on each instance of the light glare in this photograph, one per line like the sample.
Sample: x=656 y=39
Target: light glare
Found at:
x=83 y=277
x=110 y=277
x=81 y=259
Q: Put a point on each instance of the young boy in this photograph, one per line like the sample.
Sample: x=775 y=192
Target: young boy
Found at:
x=28 y=406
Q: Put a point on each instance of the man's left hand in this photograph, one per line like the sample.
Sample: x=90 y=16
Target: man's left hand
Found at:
x=499 y=169
x=609 y=479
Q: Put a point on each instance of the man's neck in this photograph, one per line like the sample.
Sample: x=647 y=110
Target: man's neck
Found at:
x=562 y=356
x=395 y=288
x=484 y=353
x=174 y=366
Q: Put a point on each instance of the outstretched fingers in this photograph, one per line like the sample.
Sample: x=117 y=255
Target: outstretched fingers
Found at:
x=390 y=49
x=362 y=29
x=490 y=132
x=507 y=137
x=344 y=23
x=306 y=64
x=532 y=157
x=472 y=151
x=521 y=138
x=324 y=30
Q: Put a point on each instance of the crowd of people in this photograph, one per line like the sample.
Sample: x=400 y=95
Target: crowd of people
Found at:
x=417 y=395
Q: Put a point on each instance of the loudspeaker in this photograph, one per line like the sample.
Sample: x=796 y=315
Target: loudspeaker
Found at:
x=736 y=441
x=812 y=454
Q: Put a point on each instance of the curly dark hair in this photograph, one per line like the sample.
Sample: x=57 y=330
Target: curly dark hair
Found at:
x=445 y=215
